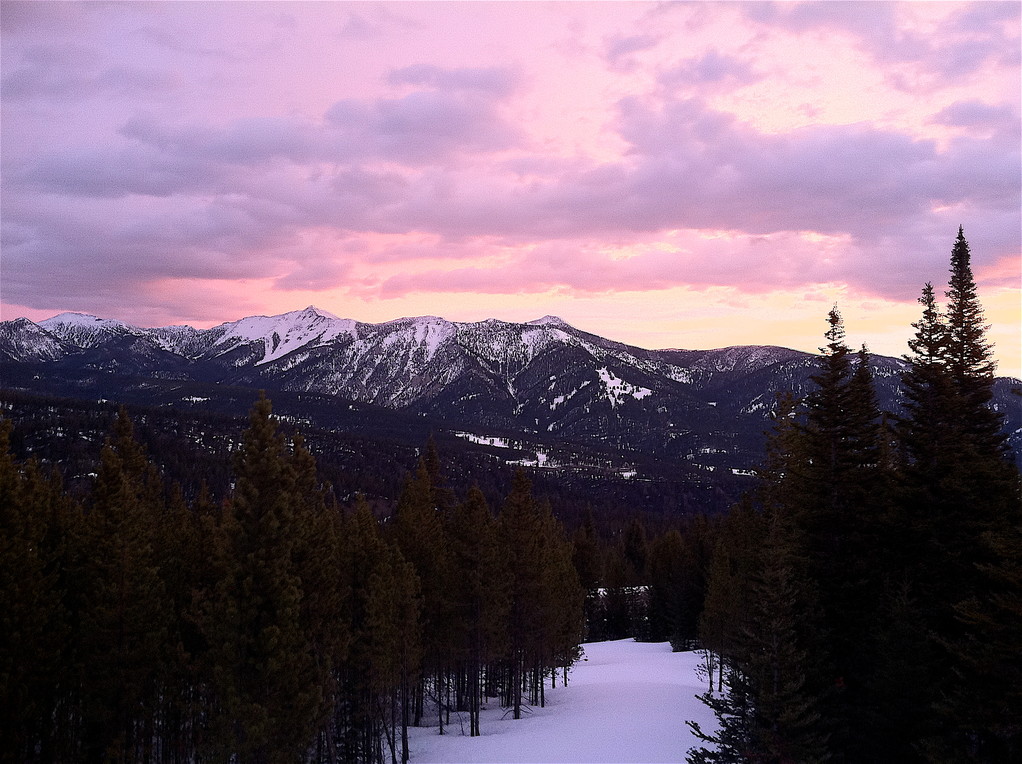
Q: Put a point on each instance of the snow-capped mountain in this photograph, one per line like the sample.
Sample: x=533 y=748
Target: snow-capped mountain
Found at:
x=543 y=379
x=85 y=331
x=21 y=340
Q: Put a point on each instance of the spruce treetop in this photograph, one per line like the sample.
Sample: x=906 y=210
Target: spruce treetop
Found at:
x=969 y=354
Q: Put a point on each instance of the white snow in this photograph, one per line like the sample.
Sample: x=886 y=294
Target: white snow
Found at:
x=550 y=321
x=618 y=389
x=80 y=319
x=432 y=333
x=679 y=374
x=83 y=329
x=286 y=332
x=484 y=440
x=542 y=460
x=626 y=702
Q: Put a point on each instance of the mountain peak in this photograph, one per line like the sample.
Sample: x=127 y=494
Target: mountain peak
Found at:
x=73 y=318
x=551 y=321
x=312 y=310
x=71 y=321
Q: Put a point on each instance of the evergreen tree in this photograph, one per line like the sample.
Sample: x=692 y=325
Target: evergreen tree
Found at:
x=124 y=613
x=418 y=532
x=587 y=557
x=319 y=559
x=635 y=548
x=520 y=530
x=561 y=602
x=267 y=686
x=668 y=574
x=961 y=496
x=34 y=622
x=724 y=620
x=839 y=486
x=185 y=556
x=545 y=598
x=479 y=597
x=782 y=648
x=969 y=354
x=376 y=682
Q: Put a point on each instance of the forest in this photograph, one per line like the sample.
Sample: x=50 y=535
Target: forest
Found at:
x=865 y=602
x=872 y=581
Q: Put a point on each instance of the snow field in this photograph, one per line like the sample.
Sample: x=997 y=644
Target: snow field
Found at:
x=625 y=702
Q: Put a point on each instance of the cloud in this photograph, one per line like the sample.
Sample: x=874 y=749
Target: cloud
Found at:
x=962 y=44
x=160 y=159
x=394 y=171
x=314 y=274
x=359 y=27
x=30 y=16
x=422 y=127
x=235 y=200
x=976 y=114
x=695 y=167
x=110 y=246
x=245 y=141
x=498 y=81
x=63 y=72
x=619 y=48
x=118 y=171
x=711 y=68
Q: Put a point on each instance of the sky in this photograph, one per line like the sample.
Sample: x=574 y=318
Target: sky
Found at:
x=670 y=175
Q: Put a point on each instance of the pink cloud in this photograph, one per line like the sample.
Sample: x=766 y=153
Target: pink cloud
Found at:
x=397 y=150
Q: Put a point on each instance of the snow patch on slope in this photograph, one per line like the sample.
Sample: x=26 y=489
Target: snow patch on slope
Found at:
x=617 y=389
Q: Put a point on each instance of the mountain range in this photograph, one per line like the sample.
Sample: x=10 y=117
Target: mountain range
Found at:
x=542 y=388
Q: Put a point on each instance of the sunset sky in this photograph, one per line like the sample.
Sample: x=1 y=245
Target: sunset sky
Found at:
x=687 y=175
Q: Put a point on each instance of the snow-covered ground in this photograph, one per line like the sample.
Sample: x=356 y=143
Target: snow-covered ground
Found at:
x=626 y=702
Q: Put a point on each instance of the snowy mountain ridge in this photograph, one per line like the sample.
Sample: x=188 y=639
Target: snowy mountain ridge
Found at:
x=537 y=379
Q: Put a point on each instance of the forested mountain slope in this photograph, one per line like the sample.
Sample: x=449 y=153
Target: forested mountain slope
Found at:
x=543 y=384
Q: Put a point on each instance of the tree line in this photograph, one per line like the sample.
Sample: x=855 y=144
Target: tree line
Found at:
x=865 y=603
x=275 y=625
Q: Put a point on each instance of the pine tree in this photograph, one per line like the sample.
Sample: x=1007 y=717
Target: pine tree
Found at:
x=668 y=575
x=561 y=602
x=545 y=613
x=969 y=354
x=782 y=649
x=520 y=538
x=768 y=699
x=587 y=558
x=926 y=431
x=266 y=683
x=724 y=619
x=962 y=500
x=479 y=596
x=839 y=485
x=185 y=558
x=34 y=621
x=377 y=680
x=124 y=615
x=418 y=532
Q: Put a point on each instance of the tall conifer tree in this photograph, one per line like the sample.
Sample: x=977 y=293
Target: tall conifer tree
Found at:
x=265 y=677
x=125 y=614
x=35 y=626
x=962 y=498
